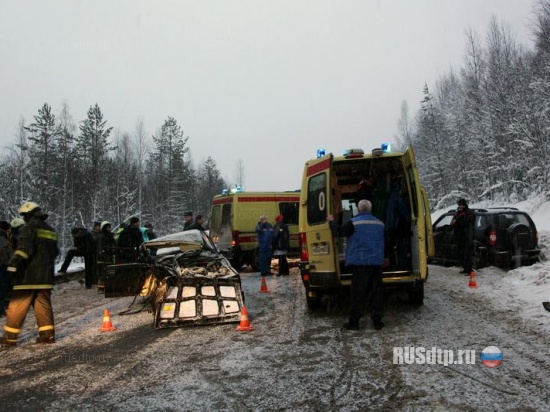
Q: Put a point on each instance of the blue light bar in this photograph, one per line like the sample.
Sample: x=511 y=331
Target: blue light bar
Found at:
x=386 y=147
x=320 y=153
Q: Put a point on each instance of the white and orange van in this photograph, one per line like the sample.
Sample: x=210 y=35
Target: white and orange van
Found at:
x=234 y=216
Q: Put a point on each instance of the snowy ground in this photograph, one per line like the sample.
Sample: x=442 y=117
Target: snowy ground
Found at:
x=294 y=359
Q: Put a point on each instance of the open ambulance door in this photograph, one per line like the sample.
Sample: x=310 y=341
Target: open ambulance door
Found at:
x=419 y=234
x=318 y=252
x=430 y=243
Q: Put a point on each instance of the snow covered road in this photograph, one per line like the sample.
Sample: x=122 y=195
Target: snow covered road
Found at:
x=293 y=359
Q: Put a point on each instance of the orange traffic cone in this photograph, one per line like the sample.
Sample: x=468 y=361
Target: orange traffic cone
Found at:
x=473 y=283
x=263 y=287
x=245 y=323
x=107 y=324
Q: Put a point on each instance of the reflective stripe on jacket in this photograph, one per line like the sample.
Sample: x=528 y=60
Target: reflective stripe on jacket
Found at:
x=35 y=256
x=366 y=245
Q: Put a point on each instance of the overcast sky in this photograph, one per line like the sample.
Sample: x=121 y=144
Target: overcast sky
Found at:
x=267 y=82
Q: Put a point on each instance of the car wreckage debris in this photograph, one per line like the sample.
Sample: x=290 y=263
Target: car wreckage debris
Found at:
x=197 y=286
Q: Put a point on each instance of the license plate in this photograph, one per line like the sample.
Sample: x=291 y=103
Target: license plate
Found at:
x=320 y=248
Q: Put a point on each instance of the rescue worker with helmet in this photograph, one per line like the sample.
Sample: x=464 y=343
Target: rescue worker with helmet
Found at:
x=32 y=271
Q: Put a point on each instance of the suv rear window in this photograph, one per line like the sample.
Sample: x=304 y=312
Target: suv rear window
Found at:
x=506 y=220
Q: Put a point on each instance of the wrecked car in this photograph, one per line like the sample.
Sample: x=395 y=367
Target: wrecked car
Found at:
x=184 y=278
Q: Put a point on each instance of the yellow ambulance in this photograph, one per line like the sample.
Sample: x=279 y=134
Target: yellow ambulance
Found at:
x=334 y=185
x=234 y=216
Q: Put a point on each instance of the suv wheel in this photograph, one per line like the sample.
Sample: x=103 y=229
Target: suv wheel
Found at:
x=480 y=257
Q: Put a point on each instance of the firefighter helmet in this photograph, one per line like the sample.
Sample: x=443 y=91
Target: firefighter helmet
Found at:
x=28 y=207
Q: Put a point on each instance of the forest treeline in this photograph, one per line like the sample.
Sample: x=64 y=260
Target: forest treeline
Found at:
x=483 y=130
x=80 y=174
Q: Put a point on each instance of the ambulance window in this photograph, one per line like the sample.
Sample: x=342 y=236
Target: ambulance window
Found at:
x=215 y=217
x=290 y=212
x=317 y=199
x=226 y=214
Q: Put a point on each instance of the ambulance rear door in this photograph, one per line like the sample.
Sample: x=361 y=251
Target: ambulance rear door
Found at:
x=316 y=198
x=419 y=234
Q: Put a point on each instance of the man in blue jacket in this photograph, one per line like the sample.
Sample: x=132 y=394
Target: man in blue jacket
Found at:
x=365 y=255
x=264 y=230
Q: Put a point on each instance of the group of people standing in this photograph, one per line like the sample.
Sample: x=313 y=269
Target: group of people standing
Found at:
x=28 y=251
x=273 y=241
x=190 y=223
x=103 y=247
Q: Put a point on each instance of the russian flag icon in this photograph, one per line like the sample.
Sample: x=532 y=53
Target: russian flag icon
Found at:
x=491 y=356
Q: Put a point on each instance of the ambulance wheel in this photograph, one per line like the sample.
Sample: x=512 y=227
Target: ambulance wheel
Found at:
x=313 y=302
x=416 y=294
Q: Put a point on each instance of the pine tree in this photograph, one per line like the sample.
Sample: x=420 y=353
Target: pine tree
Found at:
x=168 y=174
x=44 y=137
x=92 y=148
x=210 y=183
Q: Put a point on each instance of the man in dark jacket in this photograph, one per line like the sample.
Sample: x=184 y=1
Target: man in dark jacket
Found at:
x=129 y=242
x=187 y=221
x=281 y=243
x=197 y=224
x=463 y=227
x=32 y=270
x=365 y=248
x=105 y=252
x=83 y=245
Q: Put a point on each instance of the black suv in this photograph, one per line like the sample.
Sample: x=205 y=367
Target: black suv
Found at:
x=504 y=237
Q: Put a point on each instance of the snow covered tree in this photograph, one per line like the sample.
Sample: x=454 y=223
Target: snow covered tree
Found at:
x=404 y=127
x=429 y=141
x=44 y=136
x=240 y=173
x=122 y=201
x=210 y=182
x=92 y=148
x=14 y=173
x=169 y=175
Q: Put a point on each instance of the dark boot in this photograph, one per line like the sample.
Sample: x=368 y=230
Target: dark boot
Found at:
x=351 y=325
x=46 y=337
x=378 y=324
x=10 y=340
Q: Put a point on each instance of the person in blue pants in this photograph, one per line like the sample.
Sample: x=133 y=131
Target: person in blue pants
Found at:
x=264 y=230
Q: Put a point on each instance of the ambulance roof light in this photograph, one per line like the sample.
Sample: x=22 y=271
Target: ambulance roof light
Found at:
x=320 y=153
x=386 y=147
x=236 y=189
x=350 y=153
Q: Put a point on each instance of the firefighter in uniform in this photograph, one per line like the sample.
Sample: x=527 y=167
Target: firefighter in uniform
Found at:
x=32 y=272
